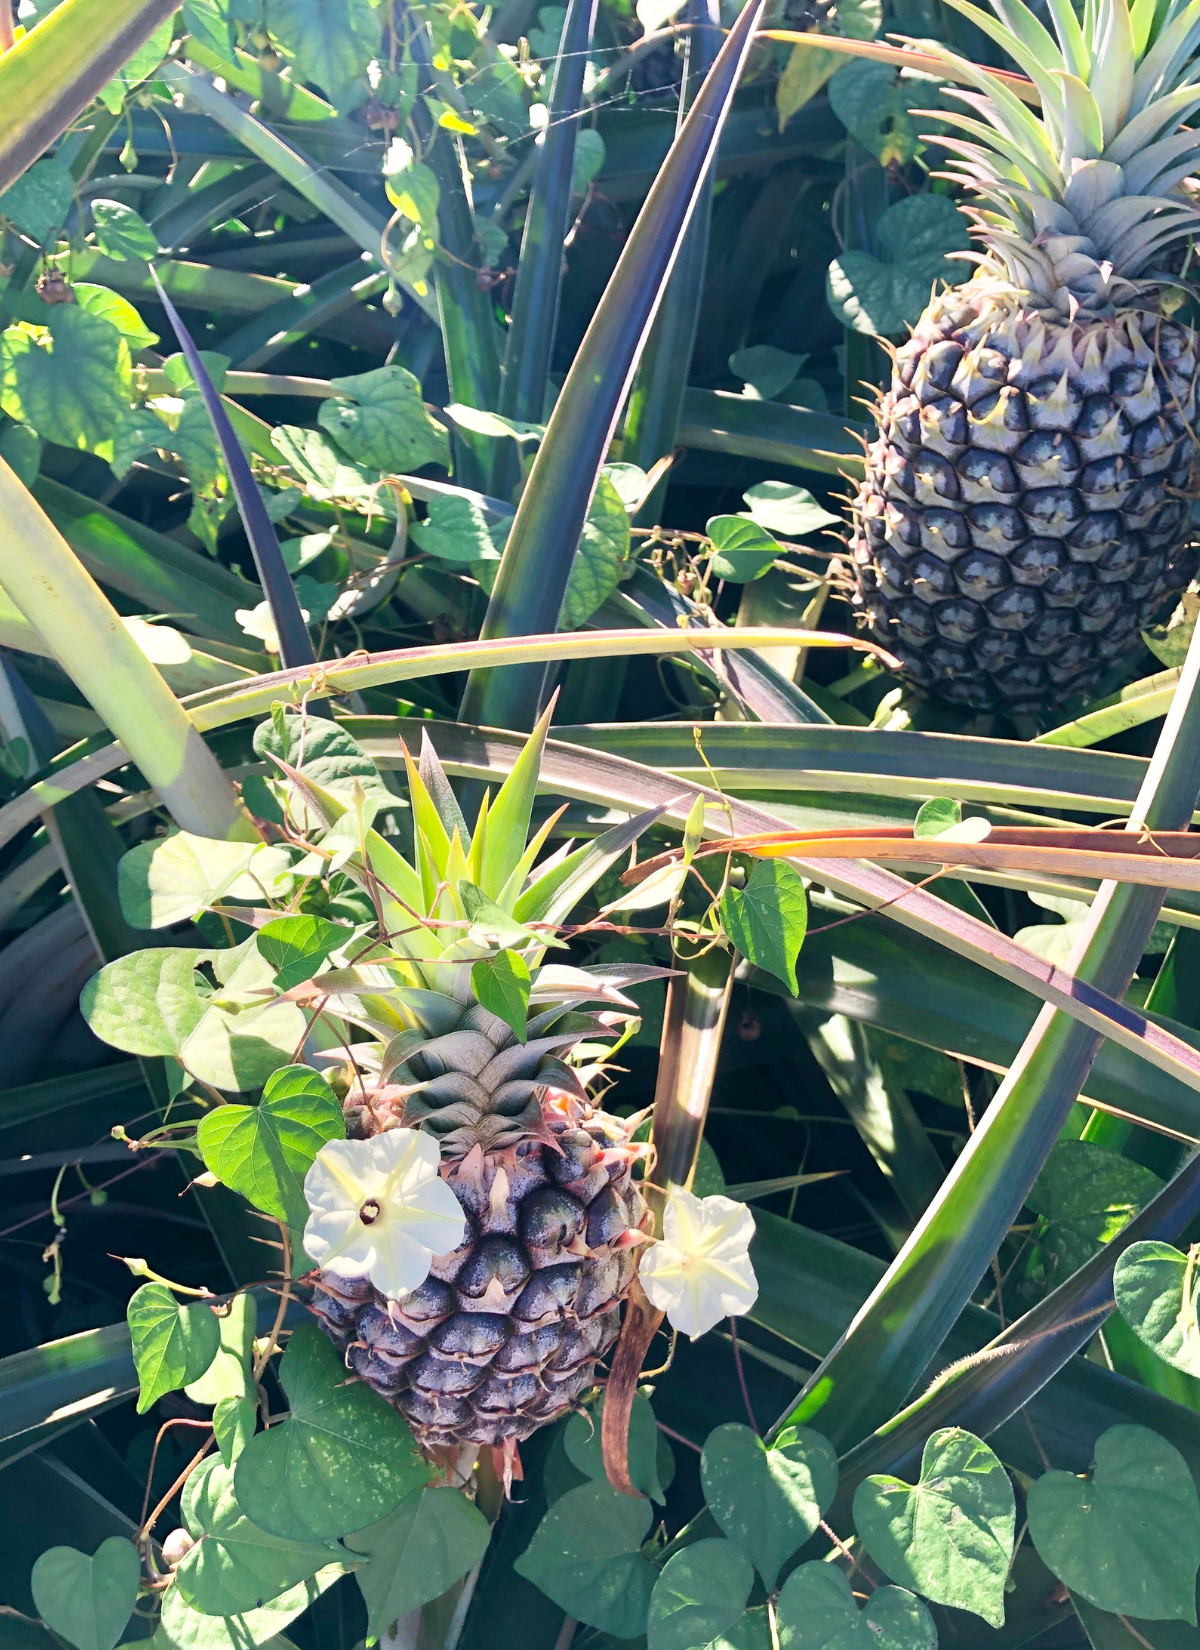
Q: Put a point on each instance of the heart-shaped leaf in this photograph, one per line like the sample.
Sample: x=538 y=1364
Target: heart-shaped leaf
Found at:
x=265 y=1151
x=87 y=1601
x=1156 y=1289
x=230 y=1373
x=171 y=879
x=502 y=984
x=880 y=295
x=1086 y=1195
x=742 y=549
x=146 y=1002
x=817 y=1611
x=651 y=1463
x=417 y=1552
x=236 y=1565
x=233 y=1422
x=121 y=232
x=586 y=1555
x=180 y=1627
x=768 y=1501
x=77 y=391
x=783 y=507
x=1127 y=1538
x=172 y=1344
x=40 y=199
x=297 y=947
x=700 y=1594
x=379 y=419
x=950 y=1535
x=343 y=1459
x=766 y=919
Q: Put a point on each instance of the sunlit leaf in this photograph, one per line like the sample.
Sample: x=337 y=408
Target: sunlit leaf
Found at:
x=172 y=1343
x=1126 y=1538
x=342 y=1460
x=88 y=1600
x=265 y=1151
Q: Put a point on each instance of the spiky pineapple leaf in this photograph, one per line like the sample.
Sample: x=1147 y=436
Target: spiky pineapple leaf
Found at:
x=419 y=1550
x=265 y=1151
x=236 y=1565
x=502 y=984
x=172 y=1344
x=87 y=1601
x=586 y=1555
x=509 y=816
x=766 y=920
x=343 y=1459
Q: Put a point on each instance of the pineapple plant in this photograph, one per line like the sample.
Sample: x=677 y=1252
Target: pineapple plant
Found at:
x=485 y=1139
x=505 y=1332
x=1025 y=505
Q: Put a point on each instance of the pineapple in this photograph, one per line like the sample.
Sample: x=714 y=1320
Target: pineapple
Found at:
x=506 y=1331
x=1025 y=506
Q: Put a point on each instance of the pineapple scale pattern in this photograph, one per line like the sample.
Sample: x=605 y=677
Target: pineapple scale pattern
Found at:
x=505 y=1333
x=1026 y=505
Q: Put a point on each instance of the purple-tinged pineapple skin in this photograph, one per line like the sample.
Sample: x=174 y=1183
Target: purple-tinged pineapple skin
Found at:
x=1025 y=508
x=505 y=1333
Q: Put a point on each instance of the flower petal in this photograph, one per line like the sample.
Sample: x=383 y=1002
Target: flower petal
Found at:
x=700 y=1271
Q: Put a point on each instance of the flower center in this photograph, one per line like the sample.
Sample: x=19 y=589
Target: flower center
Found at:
x=370 y=1212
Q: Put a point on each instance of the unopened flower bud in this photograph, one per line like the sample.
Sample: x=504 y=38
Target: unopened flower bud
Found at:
x=176 y=1547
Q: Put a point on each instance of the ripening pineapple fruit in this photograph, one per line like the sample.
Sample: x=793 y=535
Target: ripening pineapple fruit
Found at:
x=1025 y=511
x=505 y=1331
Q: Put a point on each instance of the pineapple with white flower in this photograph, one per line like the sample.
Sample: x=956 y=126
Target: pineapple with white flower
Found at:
x=1024 y=511
x=479 y=1229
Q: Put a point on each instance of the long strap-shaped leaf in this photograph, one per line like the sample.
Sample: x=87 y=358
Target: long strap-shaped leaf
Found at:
x=984 y=1391
x=891 y=1342
x=63 y=602
x=1160 y=859
x=575 y=772
x=656 y=401
x=295 y=644
x=52 y=75
x=533 y=575
x=530 y=343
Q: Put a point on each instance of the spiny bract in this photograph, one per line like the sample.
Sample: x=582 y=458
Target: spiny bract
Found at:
x=1024 y=511
x=506 y=1331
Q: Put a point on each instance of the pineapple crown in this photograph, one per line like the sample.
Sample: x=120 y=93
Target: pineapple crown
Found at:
x=1079 y=202
x=471 y=1024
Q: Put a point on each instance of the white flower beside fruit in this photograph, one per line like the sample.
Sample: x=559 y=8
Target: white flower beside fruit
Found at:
x=699 y=1271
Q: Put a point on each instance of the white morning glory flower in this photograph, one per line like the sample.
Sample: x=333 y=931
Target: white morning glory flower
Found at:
x=699 y=1271
x=379 y=1209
